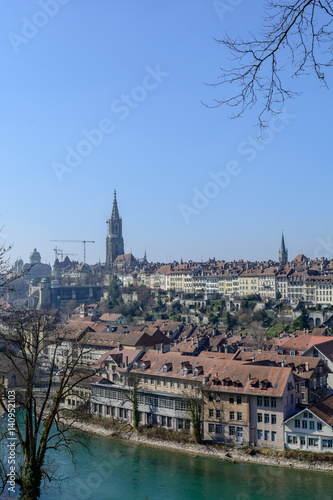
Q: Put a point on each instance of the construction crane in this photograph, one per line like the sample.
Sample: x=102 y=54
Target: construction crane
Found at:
x=57 y=252
x=78 y=241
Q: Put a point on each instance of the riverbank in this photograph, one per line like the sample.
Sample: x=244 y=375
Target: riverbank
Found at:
x=240 y=454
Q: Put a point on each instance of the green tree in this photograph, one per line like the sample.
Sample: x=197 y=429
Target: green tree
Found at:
x=231 y=321
x=114 y=292
x=132 y=396
x=303 y=321
x=194 y=403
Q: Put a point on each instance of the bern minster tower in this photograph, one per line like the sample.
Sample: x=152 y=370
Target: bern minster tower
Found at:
x=114 y=239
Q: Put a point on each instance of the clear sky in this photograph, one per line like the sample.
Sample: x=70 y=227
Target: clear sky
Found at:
x=135 y=70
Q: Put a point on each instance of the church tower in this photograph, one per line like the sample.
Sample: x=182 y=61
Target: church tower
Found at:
x=283 y=253
x=114 y=239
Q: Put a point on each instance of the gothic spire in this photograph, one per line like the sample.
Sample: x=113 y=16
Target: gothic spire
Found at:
x=283 y=247
x=115 y=212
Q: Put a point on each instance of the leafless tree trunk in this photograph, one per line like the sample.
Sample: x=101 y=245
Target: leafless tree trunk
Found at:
x=39 y=426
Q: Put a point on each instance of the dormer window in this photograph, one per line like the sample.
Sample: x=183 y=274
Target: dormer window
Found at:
x=265 y=384
x=184 y=371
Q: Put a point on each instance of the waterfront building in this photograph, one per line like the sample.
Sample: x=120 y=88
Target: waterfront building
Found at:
x=240 y=403
x=324 y=351
x=311 y=429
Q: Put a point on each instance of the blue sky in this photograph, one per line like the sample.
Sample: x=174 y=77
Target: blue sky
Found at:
x=136 y=70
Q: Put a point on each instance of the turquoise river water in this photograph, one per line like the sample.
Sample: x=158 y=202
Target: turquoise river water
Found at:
x=114 y=469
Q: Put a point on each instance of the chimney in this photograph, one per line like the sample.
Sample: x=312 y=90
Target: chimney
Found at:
x=282 y=363
x=250 y=377
x=126 y=361
x=307 y=366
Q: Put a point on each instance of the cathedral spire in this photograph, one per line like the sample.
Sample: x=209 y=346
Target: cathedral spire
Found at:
x=283 y=247
x=115 y=212
x=283 y=252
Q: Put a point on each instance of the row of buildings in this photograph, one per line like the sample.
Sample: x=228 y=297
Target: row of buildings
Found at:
x=242 y=402
x=274 y=398
x=301 y=279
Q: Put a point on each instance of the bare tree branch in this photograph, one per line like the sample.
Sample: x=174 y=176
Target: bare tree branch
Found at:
x=297 y=35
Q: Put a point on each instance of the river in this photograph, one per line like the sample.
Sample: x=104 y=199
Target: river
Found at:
x=115 y=469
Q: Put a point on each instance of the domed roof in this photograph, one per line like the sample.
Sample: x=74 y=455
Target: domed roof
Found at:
x=35 y=253
x=45 y=280
x=35 y=257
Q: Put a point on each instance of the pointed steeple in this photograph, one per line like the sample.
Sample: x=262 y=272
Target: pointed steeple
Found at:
x=115 y=212
x=283 y=247
x=283 y=252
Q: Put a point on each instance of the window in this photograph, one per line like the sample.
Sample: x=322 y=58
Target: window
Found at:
x=146 y=380
x=211 y=413
x=239 y=400
x=310 y=415
x=259 y=401
x=273 y=419
x=185 y=386
x=158 y=382
x=163 y=421
x=305 y=414
x=169 y=422
x=218 y=398
x=319 y=426
x=266 y=435
x=266 y=401
x=304 y=424
x=259 y=434
x=211 y=428
x=172 y=384
x=165 y=383
x=273 y=402
x=311 y=426
x=302 y=441
x=187 y=425
x=179 y=385
x=181 y=423
x=313 y=441
x=232 y=430
x=266 y=418
x=219 y=429
x=231 y=399
x=295 y=439
x=239 y=416
x=232 y=415
x=210 y=397
x=327 y=443
x=218 y=413
x=290 y=439
x=273 y=436
x=259 y=417
x=152 y=381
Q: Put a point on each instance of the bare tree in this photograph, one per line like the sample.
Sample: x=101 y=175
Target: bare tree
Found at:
x=295 y=33
x=258 y=334
x=42 y=422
